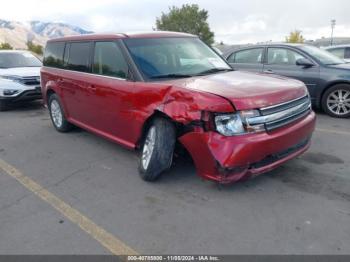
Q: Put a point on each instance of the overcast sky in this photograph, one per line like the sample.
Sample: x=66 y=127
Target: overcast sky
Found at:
x=234 y=22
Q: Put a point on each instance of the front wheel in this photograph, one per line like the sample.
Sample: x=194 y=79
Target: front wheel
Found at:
x=336 y=101
x=157 y=150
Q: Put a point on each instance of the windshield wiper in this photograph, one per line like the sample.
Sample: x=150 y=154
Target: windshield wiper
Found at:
x=170 y=76
x=214 y=70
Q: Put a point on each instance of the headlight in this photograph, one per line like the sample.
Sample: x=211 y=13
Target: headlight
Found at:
x=11 y=78
x=229 y=125
x=236 y=124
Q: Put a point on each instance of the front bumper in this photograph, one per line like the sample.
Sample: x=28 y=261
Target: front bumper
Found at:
x=28 y=95
x=229 y=159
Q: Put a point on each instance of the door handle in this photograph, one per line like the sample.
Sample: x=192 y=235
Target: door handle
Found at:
x=92 y=87
x=268 y=71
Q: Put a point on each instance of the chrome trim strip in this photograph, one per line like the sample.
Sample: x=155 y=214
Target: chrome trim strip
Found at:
x=66 y=70
x=279 y=115
x=285 y=103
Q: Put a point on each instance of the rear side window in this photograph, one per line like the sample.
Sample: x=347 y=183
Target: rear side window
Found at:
x=109 y=60
x=53 y=56
x=79 y=57
x=250 y=56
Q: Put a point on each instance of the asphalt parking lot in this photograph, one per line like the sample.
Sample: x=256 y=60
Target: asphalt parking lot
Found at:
x=302 y=207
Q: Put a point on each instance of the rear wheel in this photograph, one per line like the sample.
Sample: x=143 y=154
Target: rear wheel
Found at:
x=157 y=150
x=57 y=115
x=336 y=101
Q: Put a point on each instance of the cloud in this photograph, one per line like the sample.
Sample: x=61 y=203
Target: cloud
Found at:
x=238 y=21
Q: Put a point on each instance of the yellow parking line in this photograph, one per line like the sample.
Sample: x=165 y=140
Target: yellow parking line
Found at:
x=333 y=131
x=110 y=242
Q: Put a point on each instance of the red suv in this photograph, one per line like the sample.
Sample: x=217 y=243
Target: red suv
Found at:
x=150 y=91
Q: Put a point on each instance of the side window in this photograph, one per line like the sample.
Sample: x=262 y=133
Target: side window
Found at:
x=339 y=52
x=250 y=56
x=79 y=54
x=53 y=55
x=231 y=58
x=109 y=60
x=347 y=53
x=282 y=56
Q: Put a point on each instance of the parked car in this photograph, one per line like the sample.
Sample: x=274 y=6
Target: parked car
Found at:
x=341 y=51
x=326 y=76
x=149 y=91
x=19 y=77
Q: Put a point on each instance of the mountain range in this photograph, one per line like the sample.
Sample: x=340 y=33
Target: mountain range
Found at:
x=17 y=34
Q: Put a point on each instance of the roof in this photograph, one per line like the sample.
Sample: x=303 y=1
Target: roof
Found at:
x=152 y=34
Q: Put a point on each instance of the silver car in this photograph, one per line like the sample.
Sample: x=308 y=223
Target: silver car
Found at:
x=19 y=77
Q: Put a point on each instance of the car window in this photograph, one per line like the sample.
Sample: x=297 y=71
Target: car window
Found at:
x=339 y=52
x=53 y=55
x=250 y=56
x=79 y=54
x=282 y=56
x=173 y=56
x=109 y=60
x=347 y=53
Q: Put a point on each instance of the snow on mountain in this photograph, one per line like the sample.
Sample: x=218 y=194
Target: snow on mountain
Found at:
x=18 y=33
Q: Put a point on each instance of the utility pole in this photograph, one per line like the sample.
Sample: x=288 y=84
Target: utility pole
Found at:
x=333 y=21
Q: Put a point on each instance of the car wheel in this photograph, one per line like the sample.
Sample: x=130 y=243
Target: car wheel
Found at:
x=3 y=106
x=157 y=150
x=57 y=115
x=336 y=101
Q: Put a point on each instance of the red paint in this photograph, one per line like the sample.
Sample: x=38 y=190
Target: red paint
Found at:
x=118 y=110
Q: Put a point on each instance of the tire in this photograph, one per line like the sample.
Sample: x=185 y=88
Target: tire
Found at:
x=333 y=104
x=3 y=106
x=57 y=114
x=157 y=156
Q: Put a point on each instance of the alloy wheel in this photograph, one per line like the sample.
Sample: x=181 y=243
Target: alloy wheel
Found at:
x=338 y=102
x=56 y=113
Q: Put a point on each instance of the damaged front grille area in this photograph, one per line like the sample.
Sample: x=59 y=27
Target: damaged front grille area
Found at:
x=280 y=155
x=282 y=114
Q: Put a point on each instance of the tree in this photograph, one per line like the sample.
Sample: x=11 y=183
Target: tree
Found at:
x=38 y=49
x=295 y=37
x=188 y=19
x=5 y=46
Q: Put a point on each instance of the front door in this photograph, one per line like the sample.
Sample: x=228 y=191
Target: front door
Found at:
x=282 y=61
x=109 y=98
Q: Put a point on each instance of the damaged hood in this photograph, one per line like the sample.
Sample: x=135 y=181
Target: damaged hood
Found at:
x=246 y=90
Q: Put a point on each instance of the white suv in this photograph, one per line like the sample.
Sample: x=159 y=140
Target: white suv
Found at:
x=19 y=77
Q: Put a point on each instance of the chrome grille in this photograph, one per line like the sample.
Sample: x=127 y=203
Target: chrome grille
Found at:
x=30 y=81
x=282 y=114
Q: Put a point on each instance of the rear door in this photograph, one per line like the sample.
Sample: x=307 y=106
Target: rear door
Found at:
x=73 y=83
x=282 y=61
x=247 y=59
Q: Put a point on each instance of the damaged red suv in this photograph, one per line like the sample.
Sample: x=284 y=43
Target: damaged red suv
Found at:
x=149 y=91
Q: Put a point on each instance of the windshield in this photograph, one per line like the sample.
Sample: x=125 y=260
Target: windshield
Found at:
x=10 y=60
x=323 y=56
x=174 y=57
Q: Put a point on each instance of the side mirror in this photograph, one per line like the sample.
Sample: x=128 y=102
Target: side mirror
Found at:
x=304 y=62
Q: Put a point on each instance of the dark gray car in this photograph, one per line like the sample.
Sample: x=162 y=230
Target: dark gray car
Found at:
x=326 y=76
